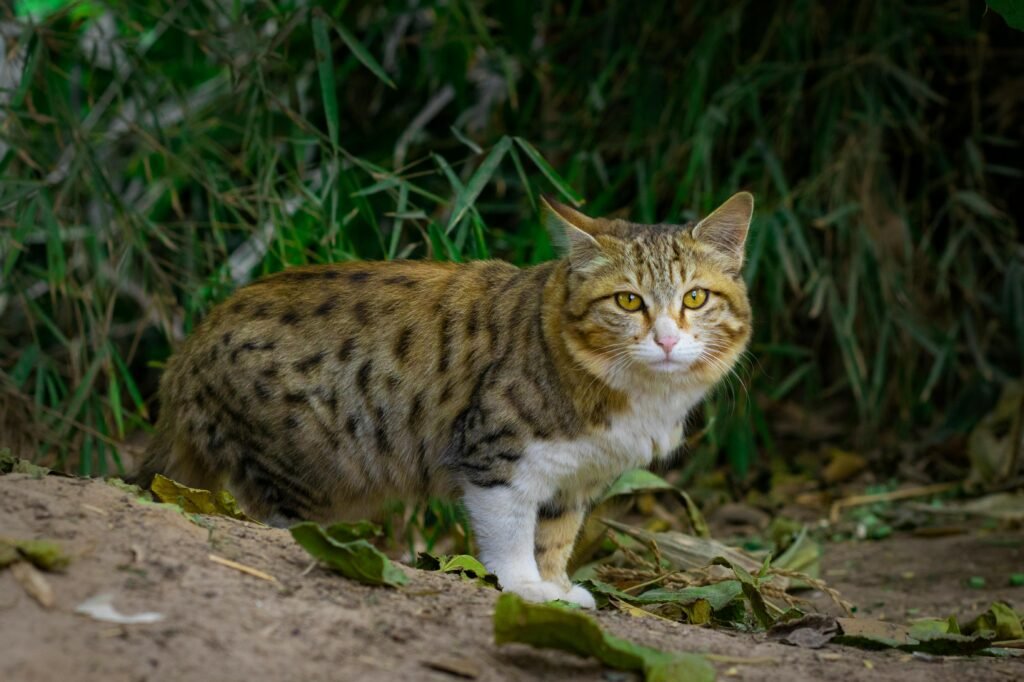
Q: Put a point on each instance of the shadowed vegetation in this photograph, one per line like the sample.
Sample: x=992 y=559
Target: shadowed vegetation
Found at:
x=156 y=155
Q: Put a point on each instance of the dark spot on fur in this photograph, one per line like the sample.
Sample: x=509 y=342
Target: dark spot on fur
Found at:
x=358 y=277
x=291 y=422
x=326 y=307
x=402 y=280
x=415 y=411
x=295 y=397
x=238 y=307
x=290 y=318
x=261 y=390
x=310 y=363
x=361 y=311
x=261 y=311
x=226 y=339
x=363 y=377
x=345 y=352
x=351 y=424
x=403 y=342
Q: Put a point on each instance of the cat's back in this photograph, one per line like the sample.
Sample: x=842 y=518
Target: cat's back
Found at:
x=351 y=373
x=326 y=309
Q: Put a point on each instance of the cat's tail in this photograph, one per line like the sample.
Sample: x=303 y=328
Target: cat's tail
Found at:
x=171 y=455
x=157 y=460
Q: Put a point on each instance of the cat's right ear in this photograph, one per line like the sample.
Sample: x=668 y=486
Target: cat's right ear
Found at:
x=571 y=233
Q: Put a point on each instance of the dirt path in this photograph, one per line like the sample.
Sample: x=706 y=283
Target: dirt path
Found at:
x=314 y=625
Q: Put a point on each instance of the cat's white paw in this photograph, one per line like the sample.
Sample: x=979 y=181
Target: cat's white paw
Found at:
x=578 y=595
x=536 y=591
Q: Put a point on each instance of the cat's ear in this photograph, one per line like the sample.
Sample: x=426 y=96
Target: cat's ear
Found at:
x=727 y=226
x=571 y=233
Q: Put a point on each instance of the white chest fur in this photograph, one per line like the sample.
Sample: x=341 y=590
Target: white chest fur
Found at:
x=651 y=427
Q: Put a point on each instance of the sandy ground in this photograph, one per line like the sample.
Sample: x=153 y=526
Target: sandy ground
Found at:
x=311 y=624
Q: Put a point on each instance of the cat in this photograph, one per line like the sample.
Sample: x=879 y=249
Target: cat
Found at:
x=321 y=391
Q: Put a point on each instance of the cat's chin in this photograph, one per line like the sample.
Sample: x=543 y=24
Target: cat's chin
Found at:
x=668 y=366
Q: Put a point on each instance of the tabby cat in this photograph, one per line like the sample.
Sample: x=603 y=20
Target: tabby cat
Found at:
x=319 y=392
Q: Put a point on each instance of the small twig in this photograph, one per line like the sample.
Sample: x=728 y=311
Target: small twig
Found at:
x=739 y=660
x=249 y=570
x=905 y=493
x=817 y=584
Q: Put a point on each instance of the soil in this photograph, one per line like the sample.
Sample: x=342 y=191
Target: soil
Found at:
x=311 y=624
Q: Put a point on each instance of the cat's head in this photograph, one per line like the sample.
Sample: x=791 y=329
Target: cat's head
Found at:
x=655 y=303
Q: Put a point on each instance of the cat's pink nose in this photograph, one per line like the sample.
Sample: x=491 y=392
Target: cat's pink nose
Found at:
x=668 y=342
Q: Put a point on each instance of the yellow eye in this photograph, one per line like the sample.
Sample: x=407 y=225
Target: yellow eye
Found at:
x=630 y=302
x=695 y=298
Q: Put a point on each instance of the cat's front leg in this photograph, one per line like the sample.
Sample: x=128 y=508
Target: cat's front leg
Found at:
x=505 y=522
x=557 y=528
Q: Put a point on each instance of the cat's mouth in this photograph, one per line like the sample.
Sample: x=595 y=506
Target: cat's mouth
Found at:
x=668 y=365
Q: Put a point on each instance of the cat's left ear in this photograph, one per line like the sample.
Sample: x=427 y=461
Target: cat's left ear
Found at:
x=727 y=226
x=572 y=233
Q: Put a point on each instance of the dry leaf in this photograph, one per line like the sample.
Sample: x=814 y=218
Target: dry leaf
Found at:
x=33 y=582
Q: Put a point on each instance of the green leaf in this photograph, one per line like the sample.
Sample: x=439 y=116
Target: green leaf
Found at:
x=350 y=531
x=557 y=627
x=560 y=184
x=460 y=564
x=44 y=554
x=196 y=500
x=325 y=68
x=637 y=481
x=866 y=633
x=1000 y=622
x=356 y=559
x=9 y=464
x=1012 y=12
x=719 y=595
x=468 y=195
x=363 y=55
x=751 y=590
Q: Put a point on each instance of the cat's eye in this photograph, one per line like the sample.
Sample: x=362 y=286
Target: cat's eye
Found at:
x=628 y=301
x=695 y=298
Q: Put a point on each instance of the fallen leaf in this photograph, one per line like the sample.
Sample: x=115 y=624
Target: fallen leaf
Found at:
x=196 y=500
x=1000 y=620
x=460 y=666
x=33 y=582
x=9 y=464
x=460 y=564
x=556 y=627
x=101 y=608
x=44 y=554
x=812 y=631
x=843 y=466
x=994 y=445
x=875 y=634
x=355 y=559
x=636 y=481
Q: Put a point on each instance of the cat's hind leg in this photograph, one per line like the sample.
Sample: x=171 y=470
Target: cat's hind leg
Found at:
x=504 y=523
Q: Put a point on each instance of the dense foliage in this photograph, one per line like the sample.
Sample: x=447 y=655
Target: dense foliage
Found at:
x=156 y=155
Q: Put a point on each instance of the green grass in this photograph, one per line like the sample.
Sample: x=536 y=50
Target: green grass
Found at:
x=149 y=172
